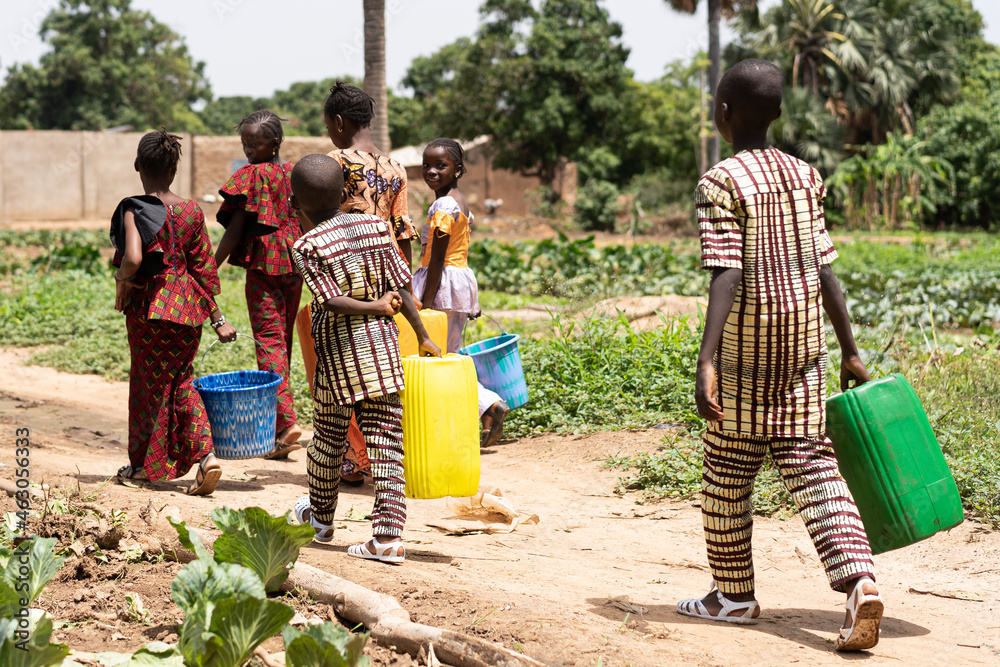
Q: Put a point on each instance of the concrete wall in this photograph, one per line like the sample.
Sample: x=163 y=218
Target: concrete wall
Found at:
x=55 y=175
x=214 y=158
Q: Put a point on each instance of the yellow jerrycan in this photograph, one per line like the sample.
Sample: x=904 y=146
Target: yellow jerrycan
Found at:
x=440 y=427
x=436 y=324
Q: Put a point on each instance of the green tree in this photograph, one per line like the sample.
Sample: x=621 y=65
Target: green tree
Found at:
x=872 y=62
x=895 y=185
x=109 y=65
x=221 y=115
x=547 y=84
x=716 y=10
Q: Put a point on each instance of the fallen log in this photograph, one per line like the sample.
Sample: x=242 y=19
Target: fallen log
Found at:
x=390 y=624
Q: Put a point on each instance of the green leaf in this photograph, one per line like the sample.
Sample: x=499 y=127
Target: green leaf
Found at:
x=230 y=630
x=204 y=582
x=33 y=563
x=157 y=654
x=35 y=650
x=327 y=644
x=190 y=540
x=267 y=545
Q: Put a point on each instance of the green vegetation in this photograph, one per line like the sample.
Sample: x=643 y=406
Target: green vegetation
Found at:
x=926 y=306
x=24 y=571
x=601 y=374
x=577 y=268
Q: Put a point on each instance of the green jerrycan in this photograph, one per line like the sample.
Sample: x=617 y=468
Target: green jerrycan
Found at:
x=892 y=463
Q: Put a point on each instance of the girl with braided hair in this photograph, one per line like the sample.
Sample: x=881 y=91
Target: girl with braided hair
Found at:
x=166 y=286
x=374 y=184
x=260 y=230
x=444 y=280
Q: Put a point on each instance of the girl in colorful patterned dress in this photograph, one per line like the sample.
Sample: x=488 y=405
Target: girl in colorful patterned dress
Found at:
x=260 y=230
x=444 y=280
x=375 y=185
x=165 y=285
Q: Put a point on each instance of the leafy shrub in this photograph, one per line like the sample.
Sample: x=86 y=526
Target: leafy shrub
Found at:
x=601 y=374
x=326 y=644
x=267 y=545
x=657 y=190
x=597 y=206
x=34 y=650
x=576 y=268
x=73 y=256
x=675 y=471
x=895 y=185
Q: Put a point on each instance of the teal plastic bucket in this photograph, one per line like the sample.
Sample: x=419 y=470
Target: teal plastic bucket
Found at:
x=498 y=365
x=242 y=409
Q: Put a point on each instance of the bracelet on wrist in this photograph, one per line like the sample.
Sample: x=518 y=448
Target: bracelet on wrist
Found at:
x=218 y=323
x=120 y=278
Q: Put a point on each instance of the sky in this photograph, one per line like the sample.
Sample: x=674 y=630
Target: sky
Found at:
x=254 y=47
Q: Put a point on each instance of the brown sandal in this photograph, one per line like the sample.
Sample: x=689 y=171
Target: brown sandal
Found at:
x=209 y=474
x=286 y=443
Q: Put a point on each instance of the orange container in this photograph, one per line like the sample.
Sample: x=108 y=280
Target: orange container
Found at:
x=303 y=323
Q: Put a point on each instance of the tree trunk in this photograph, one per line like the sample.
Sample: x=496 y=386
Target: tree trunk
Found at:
x=705 y=128
x=375 y=71
x=714 y=72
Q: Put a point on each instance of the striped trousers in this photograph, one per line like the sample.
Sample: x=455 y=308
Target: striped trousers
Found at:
x=809 y=471
x=381 y=422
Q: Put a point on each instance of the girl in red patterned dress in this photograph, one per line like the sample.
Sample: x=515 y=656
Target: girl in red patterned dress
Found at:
x=165 y=285
x=375 y=184
x=260 y=230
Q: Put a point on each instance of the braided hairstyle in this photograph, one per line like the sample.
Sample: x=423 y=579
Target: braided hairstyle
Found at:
x=159 y=152
x=455 y=152
x=267 y=120
x=350 y=102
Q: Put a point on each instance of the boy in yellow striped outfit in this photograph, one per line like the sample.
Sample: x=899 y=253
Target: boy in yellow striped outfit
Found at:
x=762 y=367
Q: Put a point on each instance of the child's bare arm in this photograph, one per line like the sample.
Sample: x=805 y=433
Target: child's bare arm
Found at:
x=234 y=232
x=851 y=366
x=721 y=295
x=386 y=306
x=435 y=268
x=409 y=310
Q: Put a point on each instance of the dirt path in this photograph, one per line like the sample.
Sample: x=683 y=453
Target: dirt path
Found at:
x=545 y=589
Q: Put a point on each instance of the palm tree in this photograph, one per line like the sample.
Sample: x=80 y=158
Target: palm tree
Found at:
x=375 y=71
x=716 y=10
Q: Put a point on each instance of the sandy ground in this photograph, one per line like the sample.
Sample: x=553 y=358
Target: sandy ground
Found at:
x=546 y=589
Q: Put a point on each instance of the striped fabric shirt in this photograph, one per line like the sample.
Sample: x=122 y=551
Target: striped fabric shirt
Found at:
x=761 y=212
x=357 y=357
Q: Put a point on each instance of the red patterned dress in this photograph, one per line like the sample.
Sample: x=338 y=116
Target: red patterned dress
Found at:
x=273 y=288
x=168 y=427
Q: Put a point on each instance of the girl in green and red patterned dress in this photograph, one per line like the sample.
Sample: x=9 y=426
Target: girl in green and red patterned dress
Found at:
x=260 y=230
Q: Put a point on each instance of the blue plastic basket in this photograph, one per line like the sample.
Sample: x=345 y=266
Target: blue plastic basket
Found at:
x=498 y=365
x=242 y=408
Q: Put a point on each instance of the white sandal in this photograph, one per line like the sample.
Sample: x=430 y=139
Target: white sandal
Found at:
x=866 y=616
x=303 y=512
x=730 y=613
x=393 y=552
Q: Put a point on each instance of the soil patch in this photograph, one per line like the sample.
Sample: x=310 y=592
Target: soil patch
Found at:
x=596 y=579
